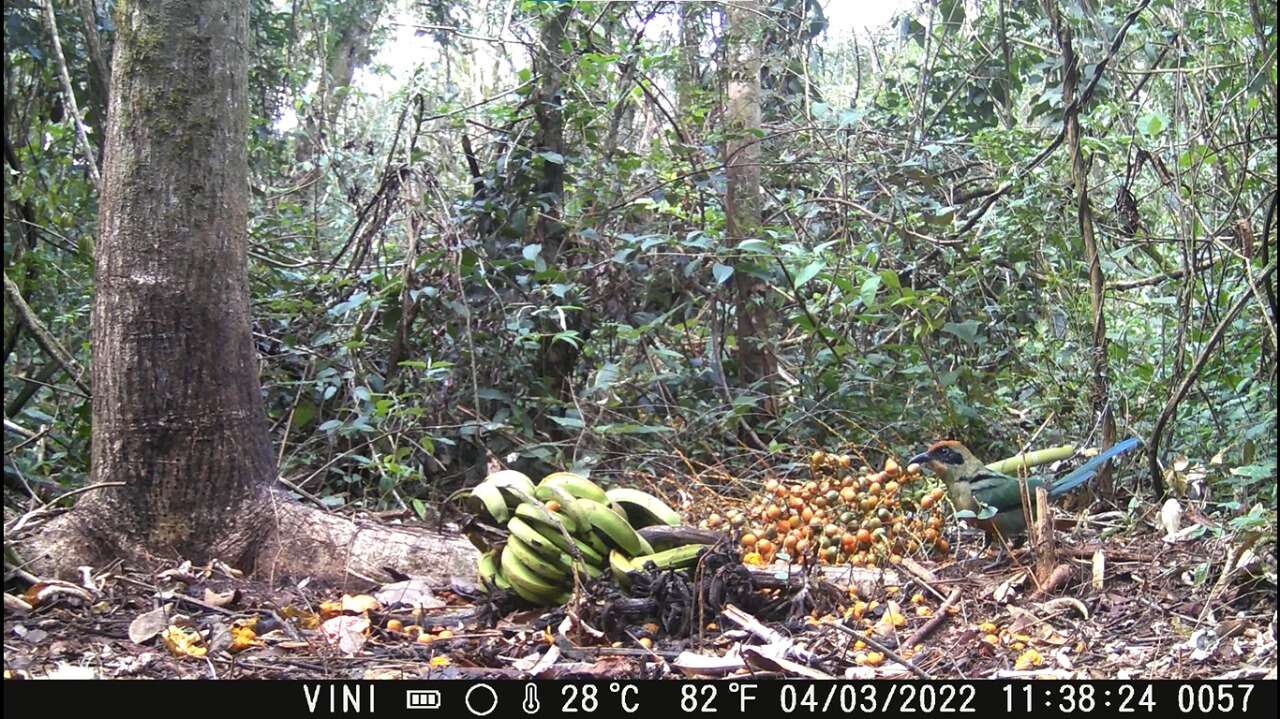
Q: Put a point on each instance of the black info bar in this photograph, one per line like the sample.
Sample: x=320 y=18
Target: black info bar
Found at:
x=621 y=697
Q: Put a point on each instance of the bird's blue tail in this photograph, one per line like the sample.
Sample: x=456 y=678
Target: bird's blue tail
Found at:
x=1085 y=472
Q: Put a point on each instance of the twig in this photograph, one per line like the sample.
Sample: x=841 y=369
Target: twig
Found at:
x=42 y=335
x=935 y=622
x=70 y=94
x=882 y=648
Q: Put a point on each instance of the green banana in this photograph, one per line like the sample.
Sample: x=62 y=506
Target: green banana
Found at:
x=500 y=581
x=509 y=478
x=547 y=559
x=677 y=558
x=643 y=509
x=487 y=569
x=528 y=585
x=554 y=535
x=592 y=571
x=593 y=539
x=533 y=516
x=575 y=484
x=491 y=498
x=614 y=528
x=621 y=568
x=567 y=502
x=549 y=569
x=533 y=539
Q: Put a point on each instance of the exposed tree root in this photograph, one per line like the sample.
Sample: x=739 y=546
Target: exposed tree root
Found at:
x=298 y=542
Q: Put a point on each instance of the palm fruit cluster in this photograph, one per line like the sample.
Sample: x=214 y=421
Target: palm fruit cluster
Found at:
x=568 y=527
x=842 y=514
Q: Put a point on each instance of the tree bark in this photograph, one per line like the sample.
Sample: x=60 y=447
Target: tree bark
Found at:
x=177 y=409
x=743 y=38
x=556 y=358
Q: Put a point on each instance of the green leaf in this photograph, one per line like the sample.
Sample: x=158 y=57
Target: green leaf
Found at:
x=721 y=272
x=809 y=272
x=303 y=415
x=1152 y=124
x=967 y=330
x=605 y=377
x=867 y=293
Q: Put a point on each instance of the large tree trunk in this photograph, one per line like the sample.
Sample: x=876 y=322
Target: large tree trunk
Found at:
x=743 y=38
x=177 y=408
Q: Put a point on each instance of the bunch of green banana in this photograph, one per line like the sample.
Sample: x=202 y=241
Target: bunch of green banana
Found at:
x=567 y=529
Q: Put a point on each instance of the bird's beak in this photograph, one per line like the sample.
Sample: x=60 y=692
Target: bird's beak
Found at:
x=922 y=458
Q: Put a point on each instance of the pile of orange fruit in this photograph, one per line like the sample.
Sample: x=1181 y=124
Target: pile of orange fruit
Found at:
x=841 y=515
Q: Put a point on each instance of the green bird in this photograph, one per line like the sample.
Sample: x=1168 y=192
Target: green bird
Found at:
x=994 y=497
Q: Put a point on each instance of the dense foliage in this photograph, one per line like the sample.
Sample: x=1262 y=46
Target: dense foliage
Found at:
x=921 y=242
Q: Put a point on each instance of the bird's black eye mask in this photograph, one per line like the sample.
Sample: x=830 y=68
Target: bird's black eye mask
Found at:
x=947 y=455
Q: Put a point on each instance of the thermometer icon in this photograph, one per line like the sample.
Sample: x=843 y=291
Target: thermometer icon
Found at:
x=530 y=703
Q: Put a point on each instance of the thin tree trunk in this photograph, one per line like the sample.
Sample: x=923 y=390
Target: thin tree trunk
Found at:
x=68 y=92
x=687 y=71
x=100 y=74
x=743 y=38
x=343 y=56
x=556 y=358
x=1101 y=391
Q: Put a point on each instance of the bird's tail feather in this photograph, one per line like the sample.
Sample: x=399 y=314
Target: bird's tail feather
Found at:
x=1085 y=472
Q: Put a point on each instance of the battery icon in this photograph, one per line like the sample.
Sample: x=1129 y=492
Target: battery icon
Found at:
x=422 y=699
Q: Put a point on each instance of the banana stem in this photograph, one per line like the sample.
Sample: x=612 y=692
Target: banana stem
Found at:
x=1012 y=465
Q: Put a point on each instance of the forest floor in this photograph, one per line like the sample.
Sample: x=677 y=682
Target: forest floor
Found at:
x=1143 y=606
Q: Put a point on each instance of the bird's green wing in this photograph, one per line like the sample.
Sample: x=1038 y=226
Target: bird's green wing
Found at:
x=1000 y=490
